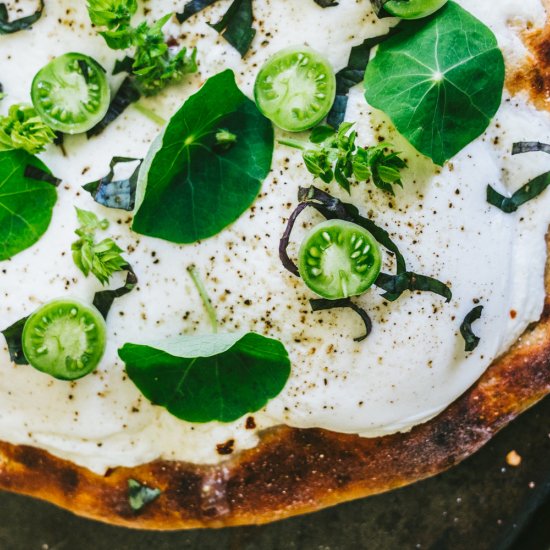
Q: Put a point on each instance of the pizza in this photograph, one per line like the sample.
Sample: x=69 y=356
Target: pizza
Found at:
x=262 y=257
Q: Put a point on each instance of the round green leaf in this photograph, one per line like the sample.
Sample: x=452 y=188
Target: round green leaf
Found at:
x=440 y=80
x=26 y=204
x=190 y=187
x=205 y=378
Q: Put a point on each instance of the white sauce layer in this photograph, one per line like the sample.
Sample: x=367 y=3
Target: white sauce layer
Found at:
x=413 y=365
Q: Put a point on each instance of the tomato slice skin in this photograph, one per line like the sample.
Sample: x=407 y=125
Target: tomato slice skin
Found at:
x=339 y=259
x=413 y=9
x=65 y=339
x=71 y=93
x=295 y=88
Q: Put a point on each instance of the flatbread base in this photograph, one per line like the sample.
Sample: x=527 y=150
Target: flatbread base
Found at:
x=294 y=471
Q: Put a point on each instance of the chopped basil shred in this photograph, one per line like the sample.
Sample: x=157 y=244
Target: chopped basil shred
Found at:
x=396 y=285
x=125 y=96
x=140 y=495
x=119 y=193
x=14 y=339
x=353 y=74
x=236 y=25
x=529 y=191
x=470 y=339
x=322 y=304
x=104 y=299
x=39 y=174
x=9 y=27
x=530 y=147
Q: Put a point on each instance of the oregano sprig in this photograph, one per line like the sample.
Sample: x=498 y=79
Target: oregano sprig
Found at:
x=334 y=155
x=102 y=259
x=23 y=128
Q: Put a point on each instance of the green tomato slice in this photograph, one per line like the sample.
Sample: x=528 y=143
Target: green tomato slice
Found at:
x=295 y=89
x=413 y=9
x=65 y=339
x=71 y=93
x=339 y=259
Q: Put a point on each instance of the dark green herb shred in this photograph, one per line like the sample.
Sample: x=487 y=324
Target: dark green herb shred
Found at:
x=193 y=7
x=236 y=25
x=35 y=173
x=9 y=27
x=395 y=285
x=104 y=299
x=126 y=95
x=322 y=304
x=530 y=147
x=13 y=336
x=470 y=339
x=529 y=191
x=352 y=75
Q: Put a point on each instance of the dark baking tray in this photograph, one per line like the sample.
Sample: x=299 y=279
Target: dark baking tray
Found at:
x=481 y=504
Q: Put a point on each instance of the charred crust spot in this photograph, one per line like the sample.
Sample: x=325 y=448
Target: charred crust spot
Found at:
x=533 y=76
x=226 y=448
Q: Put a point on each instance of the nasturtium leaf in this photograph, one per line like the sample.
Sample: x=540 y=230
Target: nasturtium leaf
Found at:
x=26 y=204
x=205 y=378
x=189 y=188
x=440 y=80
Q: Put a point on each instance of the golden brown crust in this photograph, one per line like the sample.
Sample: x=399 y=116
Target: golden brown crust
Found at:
x=297 y=471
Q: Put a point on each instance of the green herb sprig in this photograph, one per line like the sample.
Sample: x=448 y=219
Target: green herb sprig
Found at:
x=154 y=65
x=335 y=156
x=23 y=129
x=102 y=259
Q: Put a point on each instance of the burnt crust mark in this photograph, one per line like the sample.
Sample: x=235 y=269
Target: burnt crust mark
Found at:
x=533 y=76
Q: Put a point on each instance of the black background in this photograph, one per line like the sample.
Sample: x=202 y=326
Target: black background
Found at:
x=481 y=504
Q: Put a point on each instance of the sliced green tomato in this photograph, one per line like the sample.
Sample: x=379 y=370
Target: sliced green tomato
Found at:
x=413 y=9
x=65 y=339
x=339 y=259
x=295 y=89
x=71 y=93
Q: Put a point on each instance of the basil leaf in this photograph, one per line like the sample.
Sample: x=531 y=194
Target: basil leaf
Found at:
x=191 y=189
x=119 y=194
x=125 y=96
x=322 y=304
x=530 y=147
x=236 y=25
x=8 y=27
x=395 y=285
x=140 y=495
x=352 y=75
x=26 y=204
x=13 y=336
x=440 y=81
x=470 y=339
x=529 y=191
x=206 y=378
x=104 y=299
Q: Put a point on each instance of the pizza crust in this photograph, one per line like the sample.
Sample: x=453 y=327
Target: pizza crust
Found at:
x=295 y=471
